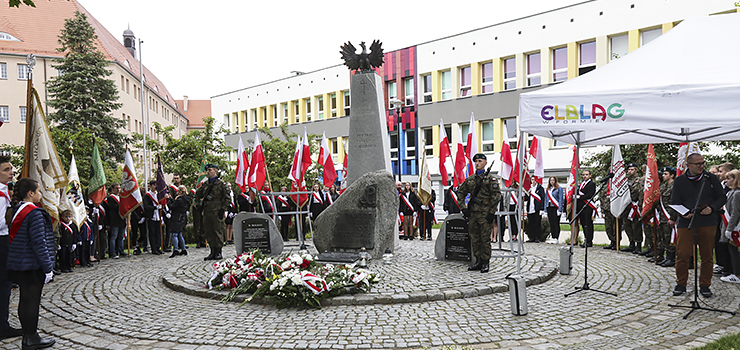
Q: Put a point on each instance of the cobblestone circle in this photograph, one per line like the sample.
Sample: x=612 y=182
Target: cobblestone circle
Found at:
x=124 y=304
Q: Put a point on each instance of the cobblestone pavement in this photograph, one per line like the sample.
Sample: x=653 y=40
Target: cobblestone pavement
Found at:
x=124 y=304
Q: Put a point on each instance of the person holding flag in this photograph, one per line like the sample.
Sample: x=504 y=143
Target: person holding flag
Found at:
x=631 y=215
x=668 y=217
x=153 y=218
x=96 y=193
x=114 y=223
x=585 y=205
x=215 y=201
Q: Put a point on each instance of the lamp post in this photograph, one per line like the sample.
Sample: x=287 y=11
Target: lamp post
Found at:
x=397 y=106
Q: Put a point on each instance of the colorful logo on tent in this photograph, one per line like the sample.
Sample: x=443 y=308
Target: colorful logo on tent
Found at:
x=582 y=113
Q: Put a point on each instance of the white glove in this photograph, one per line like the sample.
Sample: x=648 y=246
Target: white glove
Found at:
x=74 y=246
x=728 y=235
x=159 y=206
x=48 y=277
x=168 y=215
x=310 y=215
x=96 y=211
x=100 y=227
x=142 y=220
x=560 y=213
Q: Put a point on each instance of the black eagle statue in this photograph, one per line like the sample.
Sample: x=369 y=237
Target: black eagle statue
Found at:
x=365 y=61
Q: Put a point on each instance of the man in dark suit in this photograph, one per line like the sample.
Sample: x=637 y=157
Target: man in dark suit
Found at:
x=586 y=192
x=114 y=223
x=450 y=202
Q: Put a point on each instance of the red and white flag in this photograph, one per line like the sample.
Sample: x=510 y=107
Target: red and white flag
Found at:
x=296 y=174
x=326 y=160
x=571 y=186
x=305 y=154
x=343 y=186
x=459 y=174
x=472 y=148
x=651 y=192
x=242 y=166
x=527 y=182
x=130 y=194
x=684 y=150
x=507 y=164
x=444 y=152
x=619 y=191
x=257 y=169
x=535 y=151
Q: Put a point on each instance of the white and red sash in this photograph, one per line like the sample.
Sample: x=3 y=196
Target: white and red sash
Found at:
x=552 y=199
x=328 y=198
x=725 y=217
x=154 y=200
x=454 y=199
x=314 y=283
x=283 y=200
x=5 y=195
x=115 y=198
x=406 y=200
x=67 y=228
x=591 y=204
x=269 y=202
x=634 y=213
x=18 y=218
x=317 y=198
x=174 y=188
x=514 y=200
x=536 y=196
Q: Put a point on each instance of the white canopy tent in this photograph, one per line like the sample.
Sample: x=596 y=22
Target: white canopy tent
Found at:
x=683 y=86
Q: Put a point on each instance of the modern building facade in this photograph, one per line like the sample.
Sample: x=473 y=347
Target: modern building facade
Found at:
x=35 y=30
x=480 y=72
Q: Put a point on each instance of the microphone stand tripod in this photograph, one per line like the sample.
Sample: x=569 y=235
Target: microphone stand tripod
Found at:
x=694 y=305
x=585 y=263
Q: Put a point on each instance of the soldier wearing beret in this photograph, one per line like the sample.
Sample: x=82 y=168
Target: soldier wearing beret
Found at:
x=481 y=211
x=215 y=201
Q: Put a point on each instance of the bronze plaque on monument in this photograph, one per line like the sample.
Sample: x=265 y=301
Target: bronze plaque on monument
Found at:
x=354 y=229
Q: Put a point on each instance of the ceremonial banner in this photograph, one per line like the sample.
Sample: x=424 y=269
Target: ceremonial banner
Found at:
x=257 y=170
x=571 y=186
x=472 y=147
x=326 y=160
x=619 y=191
x=684 y=149
x=539 y=167
x=343 y=186
x=96 y=185
x=202 y=177
x=161 y=184
x=44 y=165
x=651 y=192
x=444 y=152
x=130 y=194
x=460 y=161
x=72 y=198
x=425 y=182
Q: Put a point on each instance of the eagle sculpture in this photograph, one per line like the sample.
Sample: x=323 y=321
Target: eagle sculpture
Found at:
x=365 y=61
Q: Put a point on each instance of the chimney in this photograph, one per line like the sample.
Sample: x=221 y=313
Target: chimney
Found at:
x=185 y=103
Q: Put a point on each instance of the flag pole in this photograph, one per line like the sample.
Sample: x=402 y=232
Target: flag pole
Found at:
x=31 y=60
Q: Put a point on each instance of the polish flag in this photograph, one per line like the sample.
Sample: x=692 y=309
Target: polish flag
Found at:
x=295 y=173
x=472 y=148
x=325 y=159
x=535 y=151
x=684 y=149
x=527 y=182
x=257 y=169
x=571 y=186
x=507 y=164
x=460 y=156
x=444 y=151
x=242 y=166
x=343 y=186
x=305 y=154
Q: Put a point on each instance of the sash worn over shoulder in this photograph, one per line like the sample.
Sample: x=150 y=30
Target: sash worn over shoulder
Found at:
x=18 y=218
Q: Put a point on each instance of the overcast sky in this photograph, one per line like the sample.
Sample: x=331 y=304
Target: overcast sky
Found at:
x=205 y=48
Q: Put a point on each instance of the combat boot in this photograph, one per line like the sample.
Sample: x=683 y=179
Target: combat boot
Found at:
x=210 y=256
x=477 y=265
x=217 y=255
x=637 y=250
x=631 y=248
x=670 y=260
x=484 y=267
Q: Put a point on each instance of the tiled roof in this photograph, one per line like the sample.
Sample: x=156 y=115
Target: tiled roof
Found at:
x=197 y=111
x=38 y=31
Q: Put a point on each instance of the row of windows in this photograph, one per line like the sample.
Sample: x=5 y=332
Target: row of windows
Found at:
x=5 y=114
x=23 y=71
x=282 y=114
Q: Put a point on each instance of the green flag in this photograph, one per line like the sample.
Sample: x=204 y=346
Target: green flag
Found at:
x=96 y=188
x=202 y=177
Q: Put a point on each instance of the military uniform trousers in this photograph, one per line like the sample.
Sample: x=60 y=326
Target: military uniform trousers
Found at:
x=480 y=235
x=633 y=229
x=664 y=238
x=649 y=240
x=610 y=225
x=198 y=227
x=213 y=228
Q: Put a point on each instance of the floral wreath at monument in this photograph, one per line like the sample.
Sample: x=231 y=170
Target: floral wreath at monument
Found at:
x=290 y=279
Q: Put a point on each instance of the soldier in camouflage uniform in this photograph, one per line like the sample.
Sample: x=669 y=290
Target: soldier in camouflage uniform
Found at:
x=633 y=228
x=666 y=223
x=610 y=222
x=215 y=200
x=200 y=241
x=481 y=210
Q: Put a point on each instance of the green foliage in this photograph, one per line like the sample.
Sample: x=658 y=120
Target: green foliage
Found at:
x=728 y=342
x=279 y=151
x=83 y=98
x=16 y=156
x=731 y=153
x=665 y=154
x=17 y=3
x=184 y=155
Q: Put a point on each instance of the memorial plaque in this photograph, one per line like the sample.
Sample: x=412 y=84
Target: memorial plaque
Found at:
x=338 y=257
x=457 y=240
x=355 y=229
x=256 y=235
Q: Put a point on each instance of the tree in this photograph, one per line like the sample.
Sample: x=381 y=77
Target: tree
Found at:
x=666 y=154
x=82 y=97
x=279 y=151
x=17 y=3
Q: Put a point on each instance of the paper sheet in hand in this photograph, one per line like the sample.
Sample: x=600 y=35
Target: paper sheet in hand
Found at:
x=680 y=209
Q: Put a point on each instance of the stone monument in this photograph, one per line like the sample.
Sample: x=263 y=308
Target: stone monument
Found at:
x=453 y=241
x=363 y=216
x=256 y=230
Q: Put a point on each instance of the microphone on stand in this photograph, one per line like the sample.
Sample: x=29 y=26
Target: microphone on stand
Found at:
x=606 y=178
